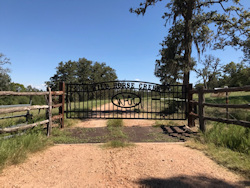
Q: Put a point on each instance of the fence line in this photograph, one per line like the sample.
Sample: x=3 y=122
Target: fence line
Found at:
x=201 y=104
x=49 y=119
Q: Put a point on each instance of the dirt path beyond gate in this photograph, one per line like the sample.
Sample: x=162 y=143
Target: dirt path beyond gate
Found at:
x=143 y=165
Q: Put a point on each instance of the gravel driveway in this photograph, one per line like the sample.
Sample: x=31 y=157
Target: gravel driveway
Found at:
x=142 y=165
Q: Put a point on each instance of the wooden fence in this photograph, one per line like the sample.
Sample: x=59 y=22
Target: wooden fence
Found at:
x=49 y=118
x=201 y=104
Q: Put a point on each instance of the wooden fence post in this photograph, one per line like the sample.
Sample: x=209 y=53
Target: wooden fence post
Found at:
x=191 y=122
x=49 y=125
x=201 y=100
x=62 y=101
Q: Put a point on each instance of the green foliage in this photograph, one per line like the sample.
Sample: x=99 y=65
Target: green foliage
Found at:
x=4 y=77
x=201 y=23
x=236 y=161
x=210 y=71
x=10 y=100
x=81 y=71
x=234 y=137
x=15 y=149
x=235 y=75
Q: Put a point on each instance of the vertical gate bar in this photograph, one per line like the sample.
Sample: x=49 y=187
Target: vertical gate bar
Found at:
x=164 y=108
x=67 y=103
x=69 y=99
x=160 y=106
x=104 y=101
x=62 y=101
x=189 y=107
x=169 y=105
x=201 y=100
x=100 y=105
x=92 y=100
x=177 y=102
x=83 y=103
x=147 y=104
x=87 y=113
x=182 y=106
x=75 y=114
x=142 y=103
x=113 y=109
x=109 y=99
x=96 y=102
x=79 y=105
x=151 y=103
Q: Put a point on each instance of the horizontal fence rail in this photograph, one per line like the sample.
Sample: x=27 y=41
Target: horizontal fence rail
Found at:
x=5 y=109
x=201 y=104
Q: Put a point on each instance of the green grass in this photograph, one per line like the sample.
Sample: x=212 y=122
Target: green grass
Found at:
x=16 y=149
x=115 y=123
x=60 y=136
x=228 y=145
x=117 y=136
x=116 y=144
x=158 y=123
x=233 y=137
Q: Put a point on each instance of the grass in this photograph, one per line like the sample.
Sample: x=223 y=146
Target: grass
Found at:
x=16 y=149
x=115 y=123
x=116 y=144
x=117 y=136
x=228 y=145
x=159 y=123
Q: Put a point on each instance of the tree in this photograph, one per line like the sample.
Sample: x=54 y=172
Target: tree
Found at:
x=195 y=18
x=81 y=71
x=209 y=72
x=235 y=75
x=4 y=77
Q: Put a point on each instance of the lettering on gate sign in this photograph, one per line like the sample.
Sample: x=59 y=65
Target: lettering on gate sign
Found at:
x=126 y=100
x=121 y=85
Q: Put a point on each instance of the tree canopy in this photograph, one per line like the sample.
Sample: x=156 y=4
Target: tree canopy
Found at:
x=81 y=71
x=204 y=23
x=4 y=76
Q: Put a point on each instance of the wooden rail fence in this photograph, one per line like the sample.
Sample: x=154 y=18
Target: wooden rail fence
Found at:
x=201 y=104
x=49 y=118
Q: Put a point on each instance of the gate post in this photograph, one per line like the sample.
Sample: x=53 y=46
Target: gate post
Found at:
x=191 y=122
x=62 y=101
x=201 y=100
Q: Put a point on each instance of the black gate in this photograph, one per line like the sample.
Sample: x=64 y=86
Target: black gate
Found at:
x=126 y=100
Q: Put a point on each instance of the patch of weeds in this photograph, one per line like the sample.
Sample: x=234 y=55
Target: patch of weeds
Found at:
x=15 y=150
x=115 y=123
x=60 y=136
x=70 y=122
x=235 y=161
x=117 y=144
x=228 y=145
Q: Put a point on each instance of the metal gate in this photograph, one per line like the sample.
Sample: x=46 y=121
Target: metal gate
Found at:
x=126 y=100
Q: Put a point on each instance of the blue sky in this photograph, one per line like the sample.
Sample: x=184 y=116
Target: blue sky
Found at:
x=36 y=35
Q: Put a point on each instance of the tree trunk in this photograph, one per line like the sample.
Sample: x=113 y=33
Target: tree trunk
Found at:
x=188 y=41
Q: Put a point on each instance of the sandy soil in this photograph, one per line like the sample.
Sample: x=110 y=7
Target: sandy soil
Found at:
x=143 y=165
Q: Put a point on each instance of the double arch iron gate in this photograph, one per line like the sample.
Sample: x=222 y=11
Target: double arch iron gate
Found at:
x=126 y=100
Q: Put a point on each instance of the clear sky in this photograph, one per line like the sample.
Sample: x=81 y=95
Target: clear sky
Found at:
x=36 y=35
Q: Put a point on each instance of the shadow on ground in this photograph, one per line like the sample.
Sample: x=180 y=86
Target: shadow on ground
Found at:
x=189 y=182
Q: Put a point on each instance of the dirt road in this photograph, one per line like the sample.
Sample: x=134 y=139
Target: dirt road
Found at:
x=143 y=165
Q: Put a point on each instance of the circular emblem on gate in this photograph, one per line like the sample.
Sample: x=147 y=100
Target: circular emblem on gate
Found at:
x=126 y=100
